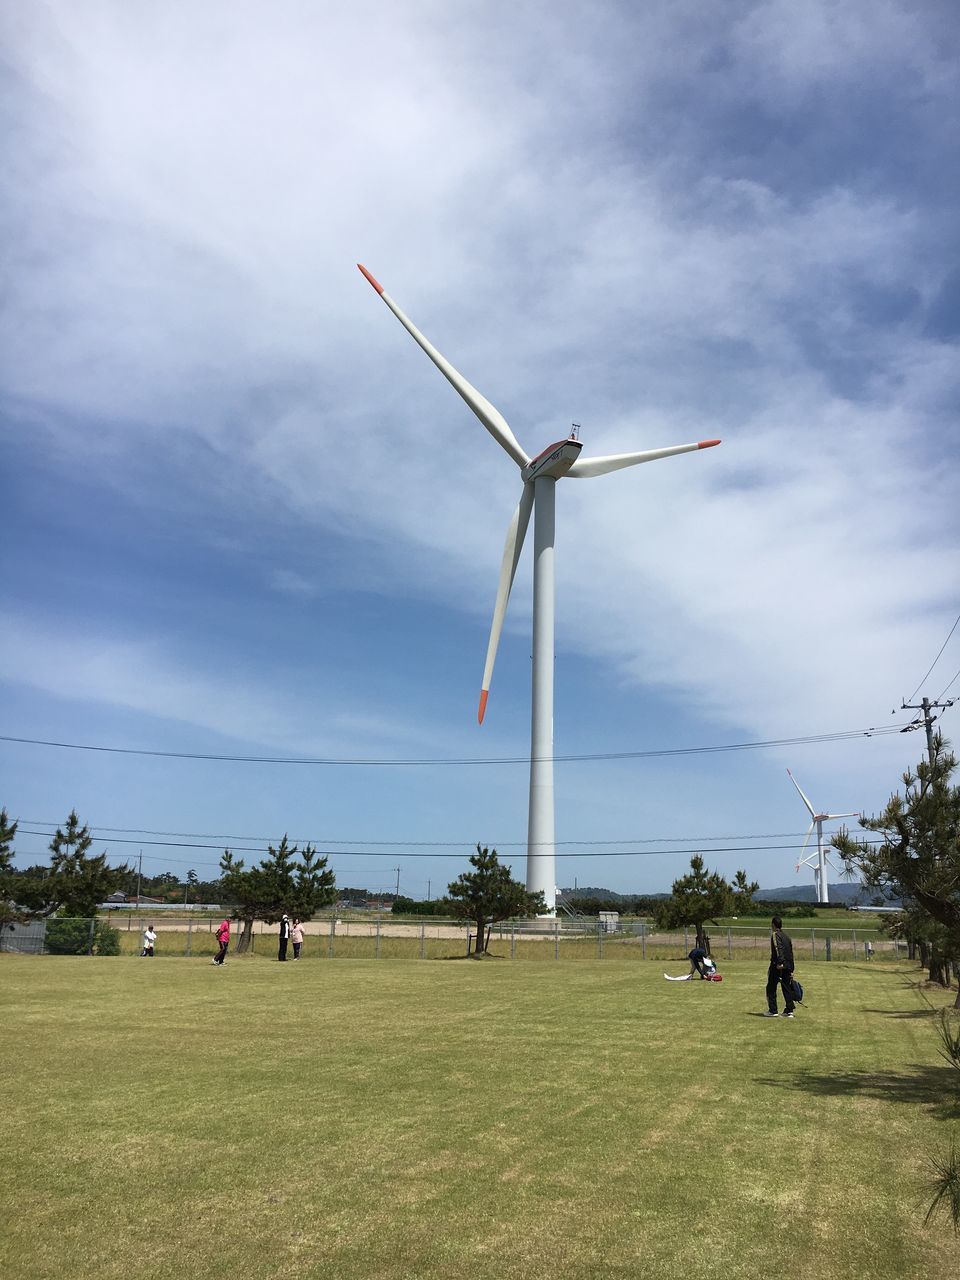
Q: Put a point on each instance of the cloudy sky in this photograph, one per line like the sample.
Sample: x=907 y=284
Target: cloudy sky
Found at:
x=244 y=516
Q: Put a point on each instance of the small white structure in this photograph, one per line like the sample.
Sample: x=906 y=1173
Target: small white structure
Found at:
x=609 y=921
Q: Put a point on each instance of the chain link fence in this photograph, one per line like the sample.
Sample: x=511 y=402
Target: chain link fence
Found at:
x=388 y=937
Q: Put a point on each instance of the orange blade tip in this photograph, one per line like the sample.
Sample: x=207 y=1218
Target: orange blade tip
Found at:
x=376 y=284
x=704 y=444
x=484 y=693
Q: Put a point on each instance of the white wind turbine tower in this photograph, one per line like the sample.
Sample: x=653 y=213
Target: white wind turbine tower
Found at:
x=539 y=475
x=820 y=866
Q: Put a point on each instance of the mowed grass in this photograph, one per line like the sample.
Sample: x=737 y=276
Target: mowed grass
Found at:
x=405 y=1118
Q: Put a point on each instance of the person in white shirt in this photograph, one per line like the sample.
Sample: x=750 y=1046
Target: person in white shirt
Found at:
x=149 y=938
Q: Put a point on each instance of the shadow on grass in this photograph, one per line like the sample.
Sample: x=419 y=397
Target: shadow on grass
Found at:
x=901 y=1013
x=486 y=955
x=933 y=1087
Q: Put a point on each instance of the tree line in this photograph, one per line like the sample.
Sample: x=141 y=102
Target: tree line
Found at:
x=288 y=881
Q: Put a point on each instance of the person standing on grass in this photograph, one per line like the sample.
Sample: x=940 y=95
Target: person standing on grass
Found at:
x=780 y=973
x=149 y=938
x=223 y=939
x=284 y=936
x=296 y=937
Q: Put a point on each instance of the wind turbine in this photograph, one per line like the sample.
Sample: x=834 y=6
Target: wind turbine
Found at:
x=820 y=867
x=539 y=475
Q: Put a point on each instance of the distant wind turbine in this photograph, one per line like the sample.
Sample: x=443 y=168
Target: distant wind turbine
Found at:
x=539 y=476
x=822 y=859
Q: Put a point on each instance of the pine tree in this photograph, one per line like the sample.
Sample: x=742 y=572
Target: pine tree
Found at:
x=8 y=831
x=78 y=883
x=489 y=894
x=918 y=858
x=703 y=895
x=286 y=882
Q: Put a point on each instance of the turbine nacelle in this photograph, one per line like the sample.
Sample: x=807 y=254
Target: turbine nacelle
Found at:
x=555 y=461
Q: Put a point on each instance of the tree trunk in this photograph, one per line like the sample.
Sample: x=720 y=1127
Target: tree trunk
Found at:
x=938 y=969
x=481 y=943
x=703 y=938
x=245 y=940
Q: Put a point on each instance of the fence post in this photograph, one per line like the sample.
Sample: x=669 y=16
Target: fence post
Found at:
x=93 y=925
x=813 y=944
x=377 y=956
x=556 y=939
x=729 y=943
x=513 y=941
x=686 y=940
x=828 y=947
x=189 y=936
x=421 y=939
x=333 y=929
x=599 y=940
x=643 y=940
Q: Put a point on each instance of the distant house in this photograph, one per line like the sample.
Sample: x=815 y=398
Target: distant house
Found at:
x=130 y=900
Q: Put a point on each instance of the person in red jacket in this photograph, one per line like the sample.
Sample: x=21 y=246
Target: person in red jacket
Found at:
x=223 y=938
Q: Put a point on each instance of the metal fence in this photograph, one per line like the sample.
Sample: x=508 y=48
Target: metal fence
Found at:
x=383 y=937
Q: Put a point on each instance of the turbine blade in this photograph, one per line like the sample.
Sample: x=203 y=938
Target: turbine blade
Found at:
x=491 y=418
x=828 y=817
x=813 y=812
x=584 y=468
x=802 y=861
x=511 y=554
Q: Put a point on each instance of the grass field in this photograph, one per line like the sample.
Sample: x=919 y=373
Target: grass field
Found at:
x=442 y=1119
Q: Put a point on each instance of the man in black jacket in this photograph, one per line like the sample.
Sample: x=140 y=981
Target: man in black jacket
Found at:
x=284 y=935
x=780 y=973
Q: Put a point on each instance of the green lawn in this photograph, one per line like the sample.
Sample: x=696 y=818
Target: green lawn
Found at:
x=408 y=1118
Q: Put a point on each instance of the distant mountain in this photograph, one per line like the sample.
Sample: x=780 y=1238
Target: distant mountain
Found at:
x=845 y=894
x=605 y=895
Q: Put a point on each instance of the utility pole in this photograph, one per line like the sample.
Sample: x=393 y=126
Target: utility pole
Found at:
x=398 y=882
x=428 y=890
x=927 y=707
x=139 y=871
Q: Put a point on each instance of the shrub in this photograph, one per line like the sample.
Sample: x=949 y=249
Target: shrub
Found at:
x=72 y=938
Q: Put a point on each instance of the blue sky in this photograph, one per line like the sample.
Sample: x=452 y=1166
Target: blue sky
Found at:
x=244 y=515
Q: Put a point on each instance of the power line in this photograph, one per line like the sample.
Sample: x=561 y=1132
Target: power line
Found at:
x=809 y=739
x=368 y=853
x=953 y=681
x=936 y=660
x=221 y=837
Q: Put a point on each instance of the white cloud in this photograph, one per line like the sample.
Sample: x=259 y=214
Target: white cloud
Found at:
x=205 y=181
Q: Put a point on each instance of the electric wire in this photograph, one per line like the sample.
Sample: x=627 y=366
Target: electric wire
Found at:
x=657 y=753
x=935 y=661
x=420 y=844
x=368 y=853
